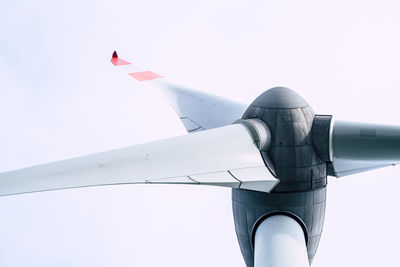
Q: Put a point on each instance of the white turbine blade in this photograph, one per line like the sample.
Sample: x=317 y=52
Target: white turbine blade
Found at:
x=358 y=147
x=225 y=156
x=197 y=110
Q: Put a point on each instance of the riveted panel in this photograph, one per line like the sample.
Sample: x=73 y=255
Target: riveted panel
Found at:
x=300 y=169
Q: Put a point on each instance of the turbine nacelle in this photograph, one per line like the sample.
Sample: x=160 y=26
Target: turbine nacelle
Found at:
x=294 y=160
x=292 y=154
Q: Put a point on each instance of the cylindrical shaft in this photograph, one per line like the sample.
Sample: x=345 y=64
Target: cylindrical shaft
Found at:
x=280 y=242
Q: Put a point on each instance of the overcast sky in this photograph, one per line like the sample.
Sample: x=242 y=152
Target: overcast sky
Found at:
x=60 y=97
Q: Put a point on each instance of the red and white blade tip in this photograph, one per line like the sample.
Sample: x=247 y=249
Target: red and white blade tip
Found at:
x=117 y=61
x=140 y=76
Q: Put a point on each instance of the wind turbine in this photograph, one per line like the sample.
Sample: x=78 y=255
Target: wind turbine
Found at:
x=275 y=154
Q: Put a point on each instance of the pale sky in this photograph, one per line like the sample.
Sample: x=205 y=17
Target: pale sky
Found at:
x=60 y=97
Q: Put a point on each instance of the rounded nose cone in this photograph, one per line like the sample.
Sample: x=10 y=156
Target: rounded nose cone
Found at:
x=280 y=97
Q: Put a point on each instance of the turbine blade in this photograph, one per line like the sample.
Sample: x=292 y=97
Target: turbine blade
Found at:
x=197 y=110
x=226 y=156
x=358 y=147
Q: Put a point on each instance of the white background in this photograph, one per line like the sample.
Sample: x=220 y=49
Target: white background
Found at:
x=60 y=97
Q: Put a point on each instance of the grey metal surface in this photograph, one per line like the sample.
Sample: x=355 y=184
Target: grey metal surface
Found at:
x=279 y=242
x=321 y=134
x=280 y=97
x=301 y=171
x=295 y=160
x=359 y=147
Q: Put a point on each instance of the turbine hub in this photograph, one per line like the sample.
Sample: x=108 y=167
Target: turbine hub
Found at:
x=291 y=155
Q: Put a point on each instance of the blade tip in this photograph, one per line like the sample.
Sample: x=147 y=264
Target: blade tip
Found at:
x=115 y=55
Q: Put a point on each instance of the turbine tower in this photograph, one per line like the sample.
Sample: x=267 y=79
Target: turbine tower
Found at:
x=275 y=154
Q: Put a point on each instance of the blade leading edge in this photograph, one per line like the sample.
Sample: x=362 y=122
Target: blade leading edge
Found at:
x=226 y=156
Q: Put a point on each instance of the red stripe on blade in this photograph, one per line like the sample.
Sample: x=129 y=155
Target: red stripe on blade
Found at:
x=145 y=75
x=118 y=62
